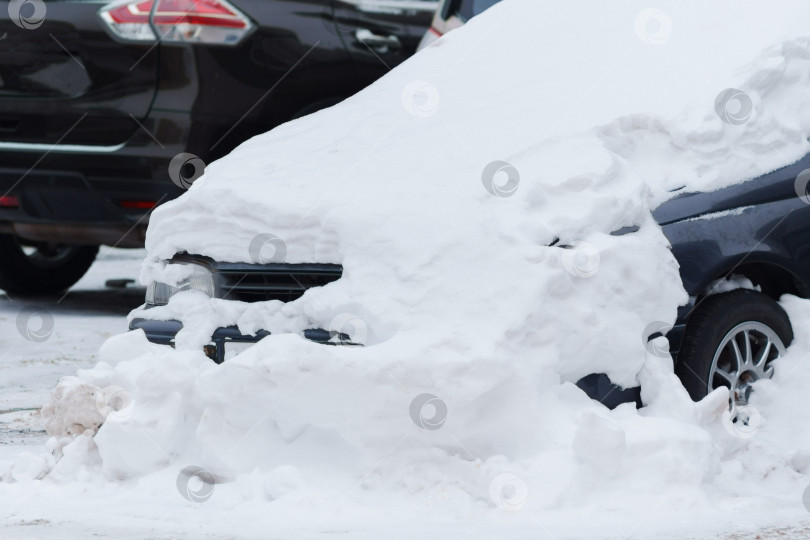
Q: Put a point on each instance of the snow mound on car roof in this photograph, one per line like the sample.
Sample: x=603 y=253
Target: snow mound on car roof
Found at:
x=470 y=196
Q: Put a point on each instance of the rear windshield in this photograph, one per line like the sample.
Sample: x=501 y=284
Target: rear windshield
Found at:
x=467 y=9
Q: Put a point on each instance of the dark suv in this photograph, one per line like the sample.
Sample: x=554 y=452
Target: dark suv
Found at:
x=98 y=98
x=753 y=237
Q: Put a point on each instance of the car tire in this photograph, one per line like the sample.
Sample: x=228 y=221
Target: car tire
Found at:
x=708 y=357
x=41 y=269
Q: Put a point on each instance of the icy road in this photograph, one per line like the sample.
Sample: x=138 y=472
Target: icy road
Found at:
x=47 y=338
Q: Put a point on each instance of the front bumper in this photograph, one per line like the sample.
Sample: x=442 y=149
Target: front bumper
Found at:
x=164 y=332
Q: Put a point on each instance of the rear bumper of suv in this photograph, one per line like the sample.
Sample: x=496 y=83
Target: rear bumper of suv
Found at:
x=64 y=208
x=75 y=196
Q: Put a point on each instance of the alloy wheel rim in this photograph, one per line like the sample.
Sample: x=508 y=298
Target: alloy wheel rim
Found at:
x=46 y=255
x=744 y=356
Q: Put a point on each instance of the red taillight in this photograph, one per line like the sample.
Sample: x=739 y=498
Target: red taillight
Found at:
x=136 y=12
x=199 y=12
x=142 y=205
x=185 y=21
x=9 y=201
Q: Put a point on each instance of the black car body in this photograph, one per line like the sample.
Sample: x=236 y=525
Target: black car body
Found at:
x=453 y=14
x=758 y=230
x=97 y=98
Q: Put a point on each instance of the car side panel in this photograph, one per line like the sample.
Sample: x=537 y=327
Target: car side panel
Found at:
x=291 y=64
x=406 y=23
x=763 y=221
x=69 y=81
x=208 y=100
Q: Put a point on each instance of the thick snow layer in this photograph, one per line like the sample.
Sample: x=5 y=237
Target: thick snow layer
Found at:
x=470 y=196
x=596 y=111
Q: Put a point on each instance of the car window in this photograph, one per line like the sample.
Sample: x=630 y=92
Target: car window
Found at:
x=470 y=8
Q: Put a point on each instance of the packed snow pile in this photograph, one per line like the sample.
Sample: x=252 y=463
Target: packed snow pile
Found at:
x=470 y=196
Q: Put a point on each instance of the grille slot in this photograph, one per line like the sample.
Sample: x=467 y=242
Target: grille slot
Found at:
x=284 y=282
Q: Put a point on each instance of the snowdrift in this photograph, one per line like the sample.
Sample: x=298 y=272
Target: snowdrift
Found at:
x=470 y=196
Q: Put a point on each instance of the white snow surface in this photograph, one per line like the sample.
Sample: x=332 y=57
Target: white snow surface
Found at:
x=602 y=109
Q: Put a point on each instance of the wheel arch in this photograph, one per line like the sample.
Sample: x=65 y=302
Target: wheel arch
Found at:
x=773 y=279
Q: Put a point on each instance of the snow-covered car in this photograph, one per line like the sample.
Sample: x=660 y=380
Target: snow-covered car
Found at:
x=639 y=218
x=452 y=14
x=728 y=334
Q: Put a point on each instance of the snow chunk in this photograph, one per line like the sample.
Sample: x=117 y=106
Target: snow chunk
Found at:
x=73 y=408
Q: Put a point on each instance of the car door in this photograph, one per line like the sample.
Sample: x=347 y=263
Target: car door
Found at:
x=381 y=34
x=65 y=80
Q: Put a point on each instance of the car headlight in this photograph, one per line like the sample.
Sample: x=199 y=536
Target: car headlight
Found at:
x=199 y=279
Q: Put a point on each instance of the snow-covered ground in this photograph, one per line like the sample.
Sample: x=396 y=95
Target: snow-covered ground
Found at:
x=153 y=506
x=61 y=336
